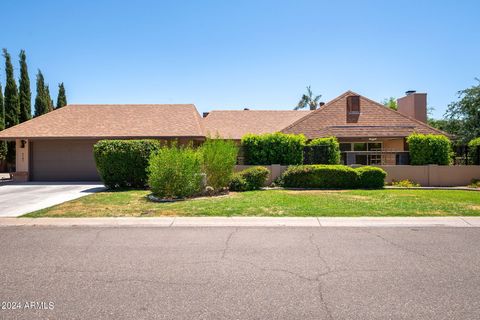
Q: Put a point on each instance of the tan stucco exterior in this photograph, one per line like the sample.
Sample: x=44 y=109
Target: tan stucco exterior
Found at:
x=22 y=155
x=22 y=160
x=393 y=145
x=426 y=176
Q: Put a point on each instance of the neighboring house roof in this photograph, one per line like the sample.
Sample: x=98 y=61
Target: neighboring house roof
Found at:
x=374 y=120
x=234 y=124
x=112 y=121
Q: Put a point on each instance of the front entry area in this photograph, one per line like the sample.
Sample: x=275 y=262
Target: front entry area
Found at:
x=62 y=160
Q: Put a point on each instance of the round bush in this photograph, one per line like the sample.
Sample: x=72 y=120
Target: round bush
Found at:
x=175 y=172
x=238 y=183
x=371 y=177
x=123 y=163
x=252 y=178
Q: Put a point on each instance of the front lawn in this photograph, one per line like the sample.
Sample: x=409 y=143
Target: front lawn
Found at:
x=277 y=203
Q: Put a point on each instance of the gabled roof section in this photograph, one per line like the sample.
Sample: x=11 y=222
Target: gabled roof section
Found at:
x=234 y=124
x=374 y=120
x=113 y=121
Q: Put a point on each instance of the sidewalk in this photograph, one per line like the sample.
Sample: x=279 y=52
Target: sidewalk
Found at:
x=321 y=222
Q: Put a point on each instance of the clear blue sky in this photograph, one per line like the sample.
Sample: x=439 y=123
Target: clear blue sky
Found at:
x=258 y=54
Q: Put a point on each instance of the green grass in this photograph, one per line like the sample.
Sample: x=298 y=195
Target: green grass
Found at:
x=277 y=203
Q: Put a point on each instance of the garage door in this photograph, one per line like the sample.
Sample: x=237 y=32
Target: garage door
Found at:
x=63 y=160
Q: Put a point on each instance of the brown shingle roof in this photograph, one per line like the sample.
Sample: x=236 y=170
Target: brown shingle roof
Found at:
x=112 y=121
x=234 y=124
x=374 y=120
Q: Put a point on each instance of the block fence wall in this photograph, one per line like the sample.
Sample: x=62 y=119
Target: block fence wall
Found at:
x=426 y=176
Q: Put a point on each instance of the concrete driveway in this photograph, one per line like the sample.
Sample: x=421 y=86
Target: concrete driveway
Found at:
x=17 y=199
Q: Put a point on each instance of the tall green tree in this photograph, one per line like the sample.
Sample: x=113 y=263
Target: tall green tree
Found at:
x=43 y=102
x=11 y=103
x=49 y=99
x=62 y=97
x=11 y=100
x=390 y=103
x=309 y=100
x=25 y=92
x=3 y=144
x=467 y=111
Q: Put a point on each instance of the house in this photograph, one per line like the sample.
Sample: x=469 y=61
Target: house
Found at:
x=59 y=144
x=368 y=132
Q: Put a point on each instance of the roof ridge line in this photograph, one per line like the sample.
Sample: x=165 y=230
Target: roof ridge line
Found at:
x=318 y=110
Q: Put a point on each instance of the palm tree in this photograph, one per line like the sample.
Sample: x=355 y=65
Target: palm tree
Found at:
x=308 y=100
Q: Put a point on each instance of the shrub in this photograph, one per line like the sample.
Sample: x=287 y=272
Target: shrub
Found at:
x=322 y=151
x=333 y=177
x=273 y=148
x=371 y=177
x=123 y=163
x=238 y=182
x=175 y=172
x=249 y=179
x=429 y=149
x=218 y=161
x=405 y=184
x=475 y=183
x=321 y=176
x=474 y=151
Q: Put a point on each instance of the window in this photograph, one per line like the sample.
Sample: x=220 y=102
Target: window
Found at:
x=353 y=104
x=346 y=146
x=361 y=159
x=374 y=146
x=360 y=146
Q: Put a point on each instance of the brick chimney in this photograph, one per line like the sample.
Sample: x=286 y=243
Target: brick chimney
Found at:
x=413 y=105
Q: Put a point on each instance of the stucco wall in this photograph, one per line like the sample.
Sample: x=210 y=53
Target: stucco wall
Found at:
x=22 y=156
x=427 y=176
x=393 y=145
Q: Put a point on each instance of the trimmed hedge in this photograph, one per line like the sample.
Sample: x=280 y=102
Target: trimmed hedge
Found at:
x=333 y=177
x=273 y=148
x=429 y=149
x=371 y=177
x=249 y=179
x=474 y=151
x=123 y=163
x=175 y=172
x=320 y=176
x=322 y=151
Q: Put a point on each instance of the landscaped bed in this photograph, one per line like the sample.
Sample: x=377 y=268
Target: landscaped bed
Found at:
x=277 y=203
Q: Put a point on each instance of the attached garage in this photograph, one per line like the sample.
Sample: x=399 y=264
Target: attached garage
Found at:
x=62 y=160
x=58 y=146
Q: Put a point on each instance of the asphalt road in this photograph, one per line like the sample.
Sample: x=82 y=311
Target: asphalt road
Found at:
x=242 y=273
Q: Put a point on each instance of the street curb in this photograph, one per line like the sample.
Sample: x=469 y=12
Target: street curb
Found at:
x=314 y=222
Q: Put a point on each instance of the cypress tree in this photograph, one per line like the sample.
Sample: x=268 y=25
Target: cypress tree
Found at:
x=41 y=103
x=25 y=92
x=62 y=97
x=11 y=101
x=48 y=99
x=11 y=104
x=3 y=144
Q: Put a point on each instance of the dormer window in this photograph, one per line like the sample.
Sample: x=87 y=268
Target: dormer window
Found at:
x=353 y=104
